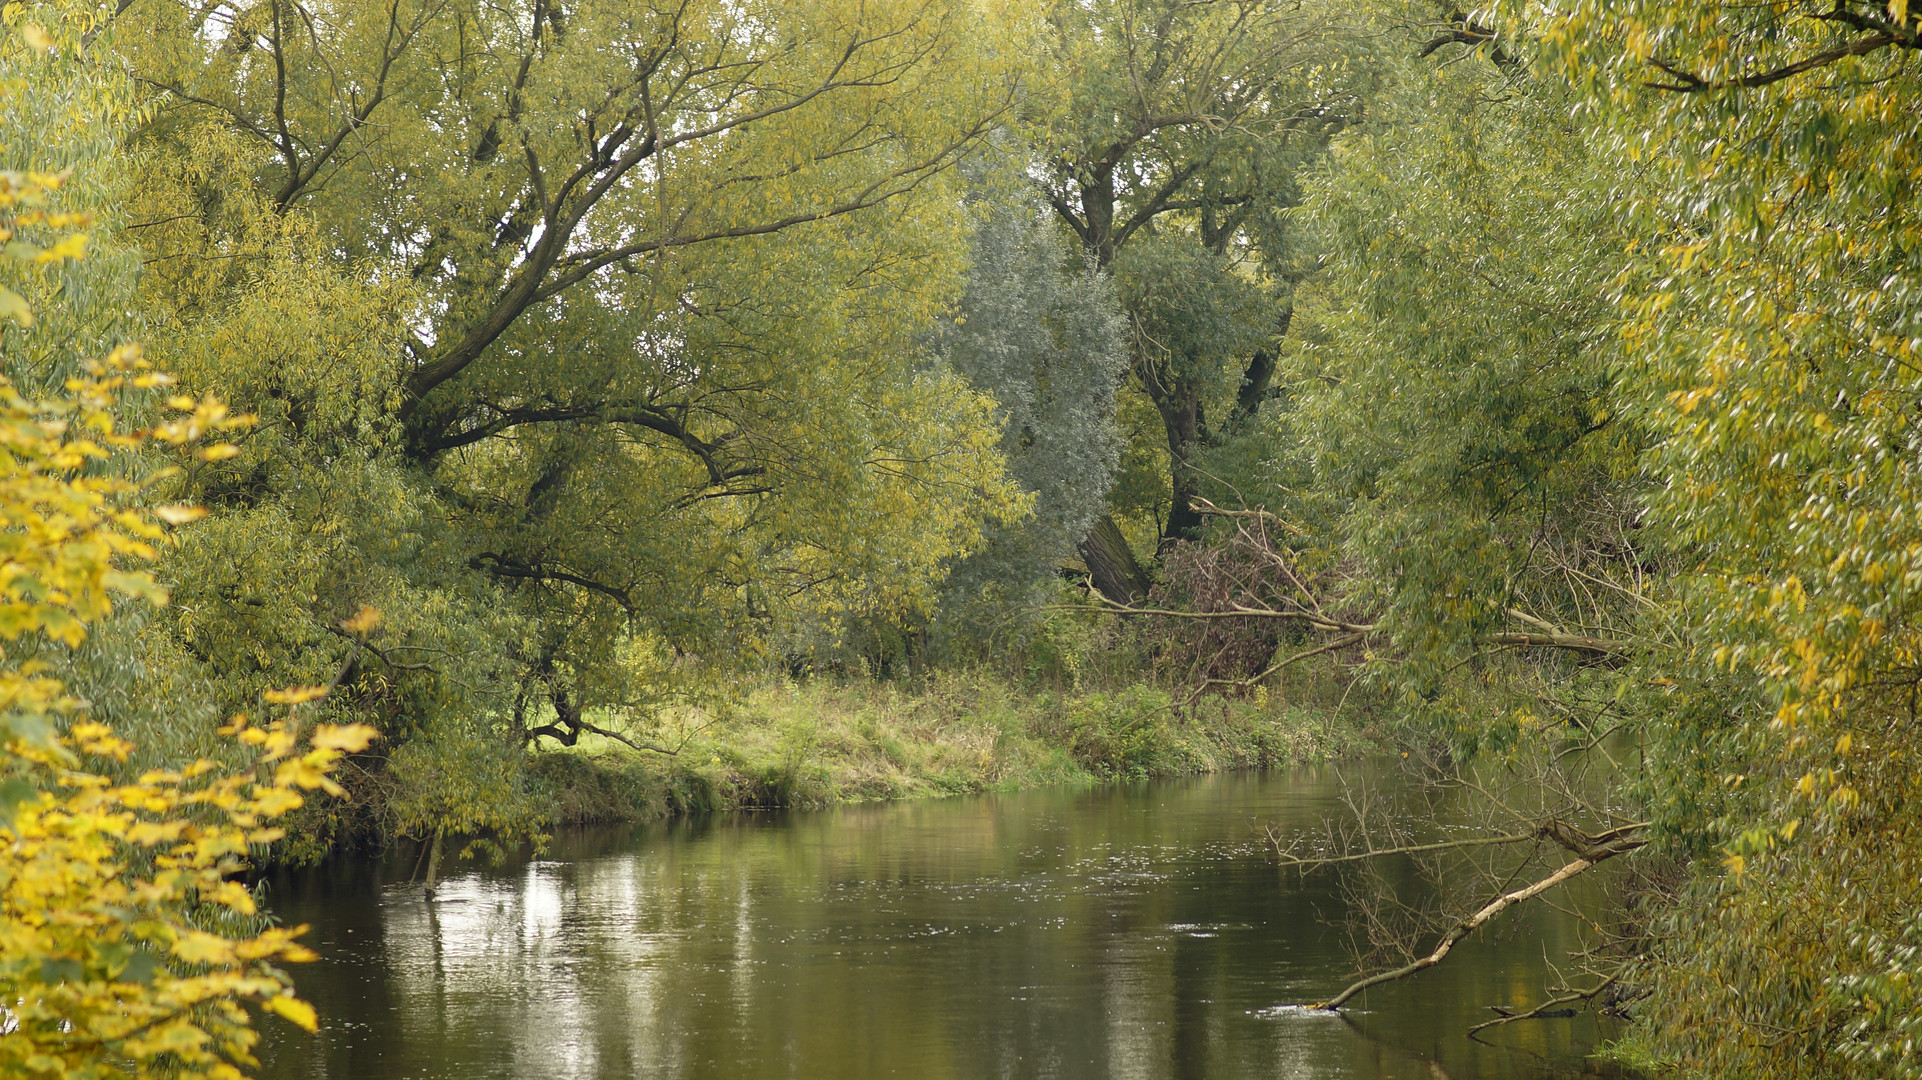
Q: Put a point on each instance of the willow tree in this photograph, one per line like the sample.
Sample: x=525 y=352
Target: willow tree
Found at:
x=1651 y=285
x=1038 y=328
x=1774 y=336
x=586 y=339
x=1174 y=148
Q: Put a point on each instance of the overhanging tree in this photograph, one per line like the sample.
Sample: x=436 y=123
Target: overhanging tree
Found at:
x=586 y=339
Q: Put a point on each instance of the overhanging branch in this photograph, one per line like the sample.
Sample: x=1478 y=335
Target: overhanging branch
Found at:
x=1622 y=843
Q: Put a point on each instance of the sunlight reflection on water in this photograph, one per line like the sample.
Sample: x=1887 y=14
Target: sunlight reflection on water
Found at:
x=1122 y=933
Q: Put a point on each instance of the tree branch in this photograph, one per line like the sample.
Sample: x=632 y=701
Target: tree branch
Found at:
x=1459 y=931
x=1688 y=83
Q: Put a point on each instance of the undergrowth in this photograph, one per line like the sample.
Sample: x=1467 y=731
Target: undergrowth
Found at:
x=821 y=742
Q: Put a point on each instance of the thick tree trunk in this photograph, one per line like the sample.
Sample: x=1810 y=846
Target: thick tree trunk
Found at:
x=1180 y=408
x=1111 y=563
x=1255 y=385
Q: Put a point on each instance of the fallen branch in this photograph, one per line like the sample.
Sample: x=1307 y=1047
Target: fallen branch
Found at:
x=1461 y=930
x=1553 y=1008
x=1615 y=842
x=1288 y=858
x=1564 y=835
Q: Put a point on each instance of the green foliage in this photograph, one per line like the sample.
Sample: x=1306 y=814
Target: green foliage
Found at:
x=1045 y=339
x=1615 y=332
x=588 y=349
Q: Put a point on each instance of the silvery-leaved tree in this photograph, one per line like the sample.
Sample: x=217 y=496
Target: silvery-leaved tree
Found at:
x=1039 y=330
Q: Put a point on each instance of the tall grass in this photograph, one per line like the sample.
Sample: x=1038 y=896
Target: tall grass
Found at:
x=825 y=741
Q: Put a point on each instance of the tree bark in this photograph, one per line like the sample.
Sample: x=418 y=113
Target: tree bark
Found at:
x=433 y=863
x=1111 y=563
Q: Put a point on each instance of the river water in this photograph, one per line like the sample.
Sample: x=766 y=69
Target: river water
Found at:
x=1126 y=932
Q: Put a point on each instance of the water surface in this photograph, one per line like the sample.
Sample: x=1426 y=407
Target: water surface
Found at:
x=1127 y=932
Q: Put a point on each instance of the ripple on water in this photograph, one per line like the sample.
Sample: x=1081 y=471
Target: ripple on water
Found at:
x=1280 y=1012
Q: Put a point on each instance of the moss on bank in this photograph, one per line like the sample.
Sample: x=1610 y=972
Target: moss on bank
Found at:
x=820 y=743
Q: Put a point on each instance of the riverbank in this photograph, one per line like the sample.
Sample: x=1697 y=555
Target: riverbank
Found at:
x=820 y=743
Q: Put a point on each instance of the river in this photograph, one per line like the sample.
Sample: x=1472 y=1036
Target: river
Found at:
x=1137 y=931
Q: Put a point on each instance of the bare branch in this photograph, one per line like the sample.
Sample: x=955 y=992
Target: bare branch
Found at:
x=1620 y=842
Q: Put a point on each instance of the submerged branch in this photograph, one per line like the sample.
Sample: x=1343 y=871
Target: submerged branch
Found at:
x=1552 y=1008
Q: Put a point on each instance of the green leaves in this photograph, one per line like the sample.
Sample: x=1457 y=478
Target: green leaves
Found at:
x=591 y=351
x=1629 y=339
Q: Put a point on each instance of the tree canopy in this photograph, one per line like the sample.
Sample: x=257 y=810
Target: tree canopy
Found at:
x=529 y=298
x=541 y=373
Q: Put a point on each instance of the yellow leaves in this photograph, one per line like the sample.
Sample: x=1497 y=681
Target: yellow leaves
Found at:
x=72 y=246
x=99 y=740
x=205 y=416
x=67 y=896
x=345 y=738
x=149 y=833
x=201 y=947
x=308 y=771
x=275 y=801
x=231 y=894
x=295 y=695
x=293 y=1009
x=179 y=515
x=362 y=622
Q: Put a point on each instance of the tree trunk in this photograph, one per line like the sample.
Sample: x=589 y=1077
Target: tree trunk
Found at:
x=433 y=863
x=1111 y=563
x=1181 y=418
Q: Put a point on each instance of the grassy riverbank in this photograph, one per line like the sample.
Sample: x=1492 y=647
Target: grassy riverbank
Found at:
x=820 y=743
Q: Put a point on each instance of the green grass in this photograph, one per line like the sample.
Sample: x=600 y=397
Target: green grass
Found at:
x=823 y=742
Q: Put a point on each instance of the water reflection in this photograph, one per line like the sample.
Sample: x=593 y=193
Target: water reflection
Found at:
x=1124 y=933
